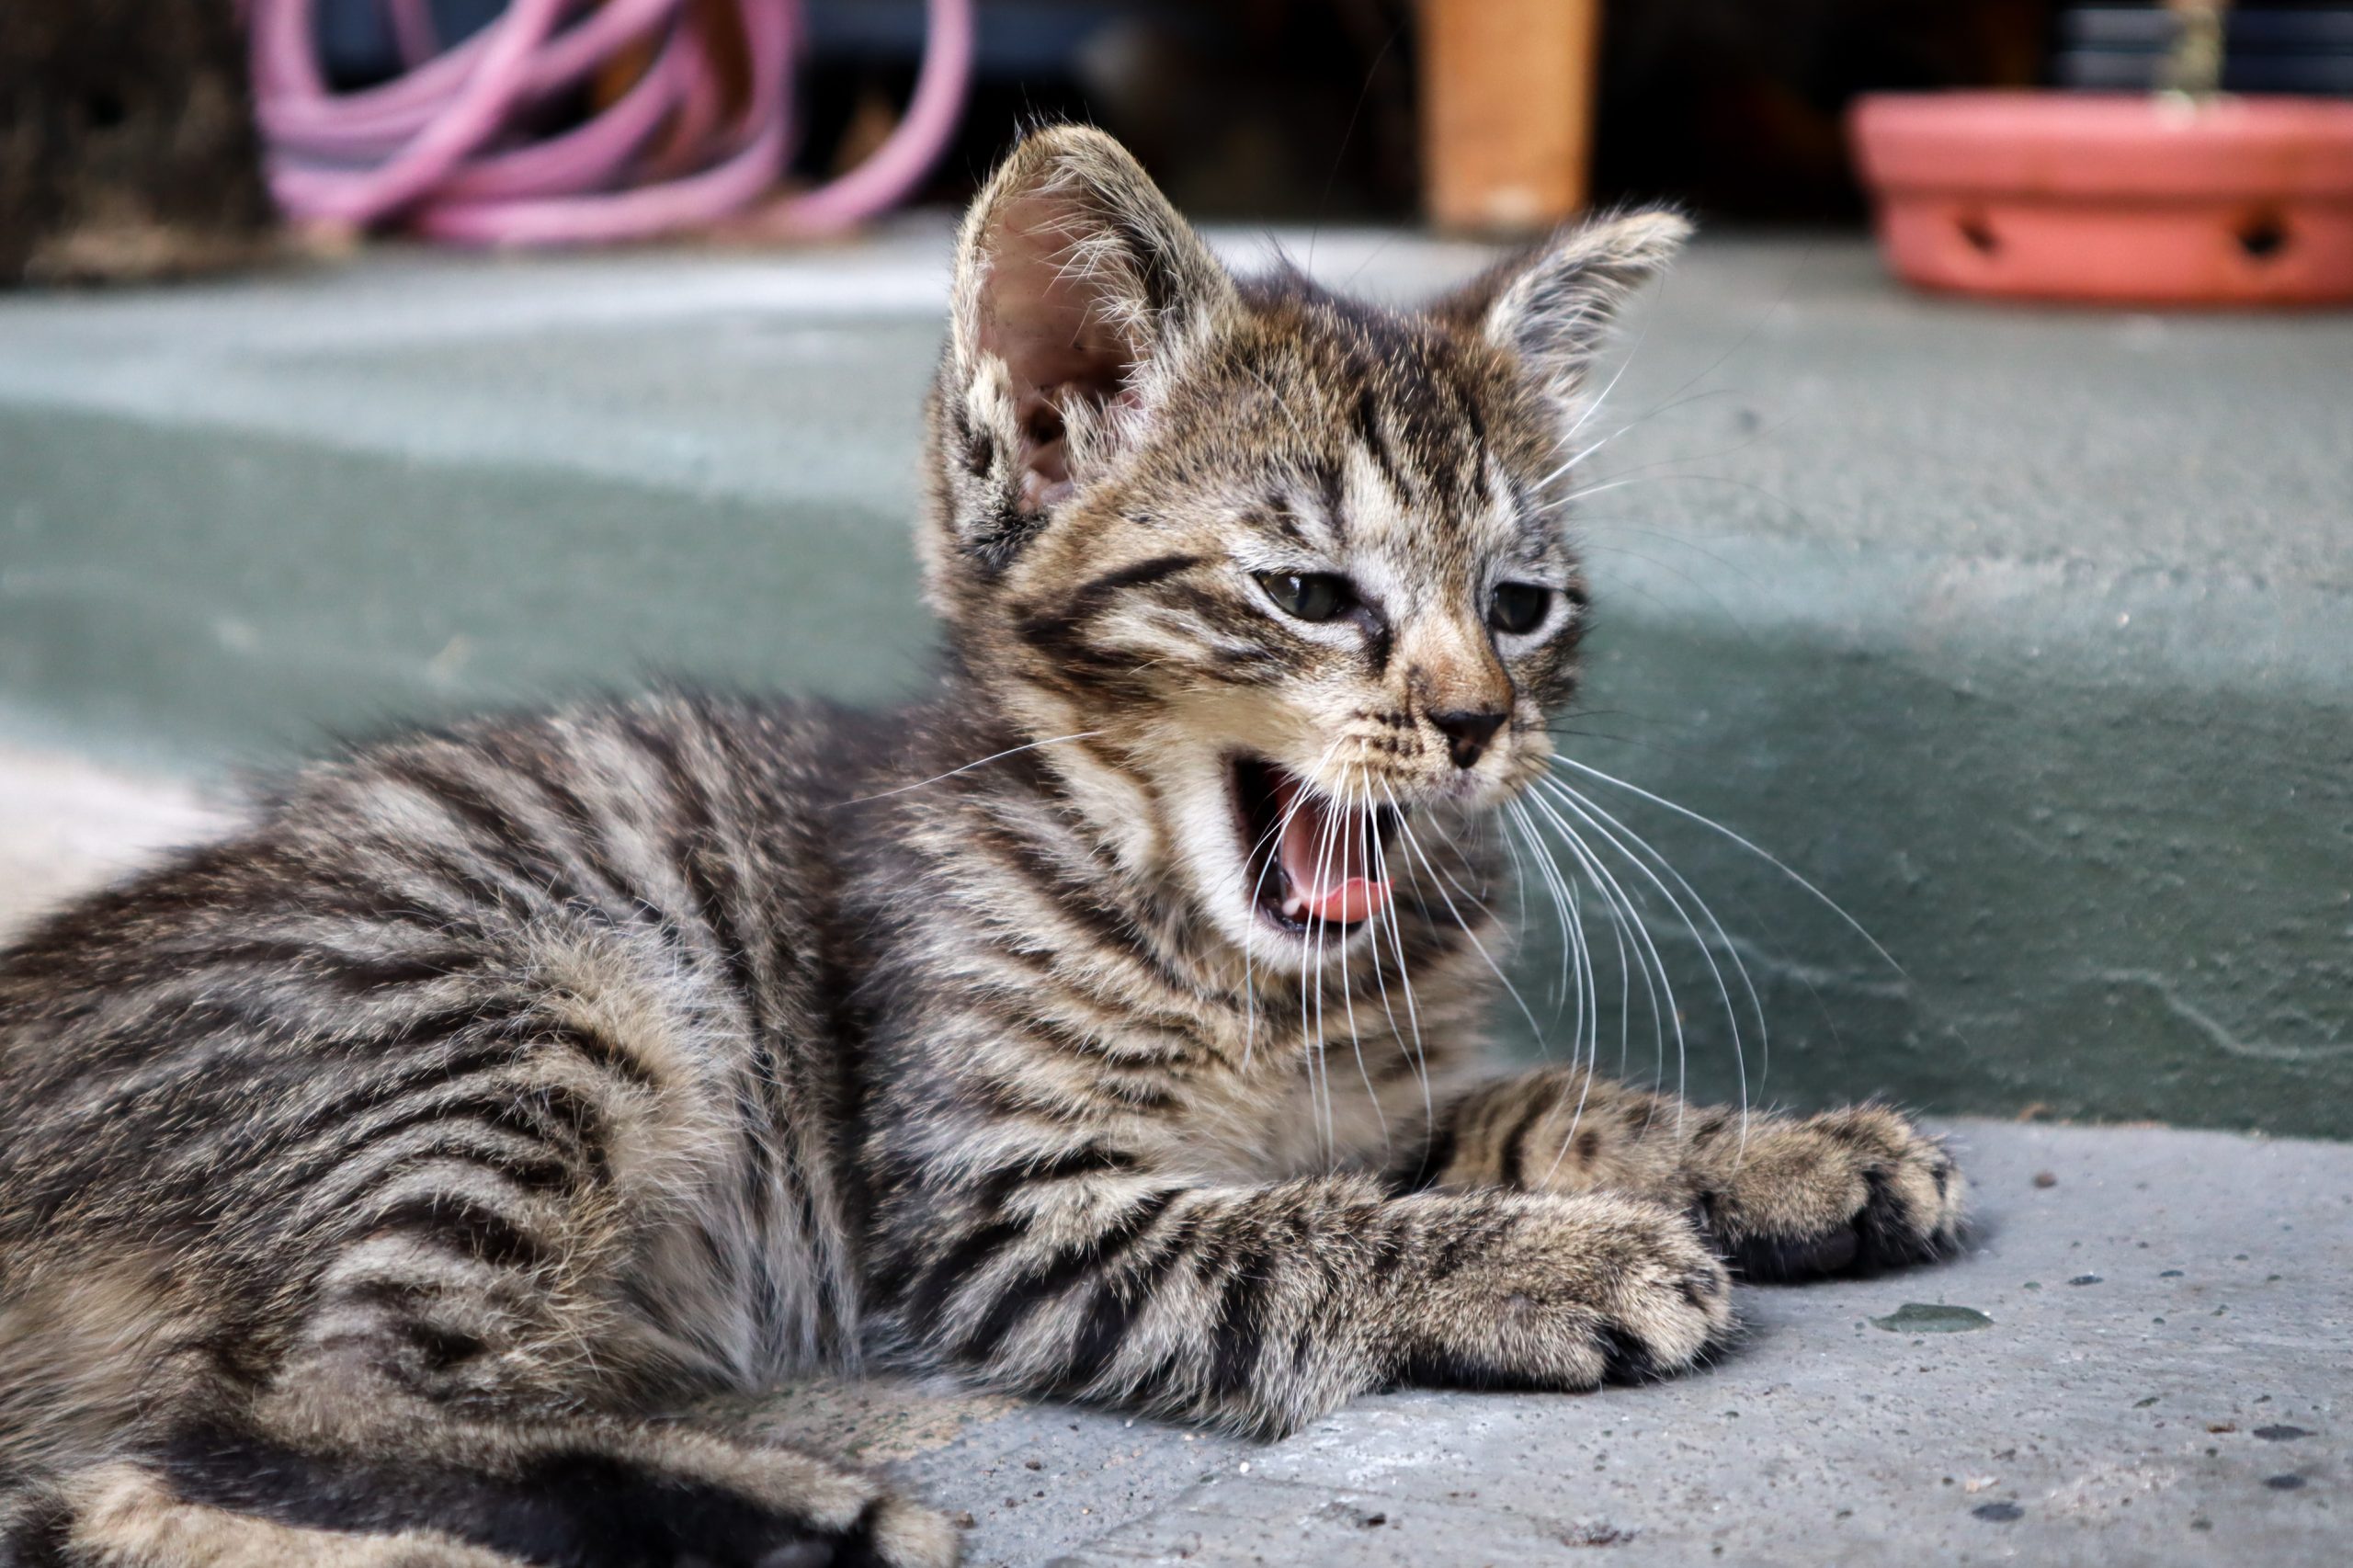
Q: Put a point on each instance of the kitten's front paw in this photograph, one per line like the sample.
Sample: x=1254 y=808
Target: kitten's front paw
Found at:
x=1587 y=1290
x=1665 y=1299
x=1848 y=1191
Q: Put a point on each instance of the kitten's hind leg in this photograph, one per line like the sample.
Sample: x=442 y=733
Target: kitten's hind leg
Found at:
x=218 y=1494
x=455 y=1395
x=127 y=1514
x=583 y=1492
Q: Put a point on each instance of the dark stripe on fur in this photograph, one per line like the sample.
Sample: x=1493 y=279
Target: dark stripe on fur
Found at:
x=461 y=1221
x=1056 y=632
x=1018 y=1298
x=1122 y=1294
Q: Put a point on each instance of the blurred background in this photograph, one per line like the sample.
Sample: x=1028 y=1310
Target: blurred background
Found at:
x=1970 y=532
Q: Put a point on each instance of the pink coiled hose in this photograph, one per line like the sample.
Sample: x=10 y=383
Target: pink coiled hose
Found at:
x=439 y=147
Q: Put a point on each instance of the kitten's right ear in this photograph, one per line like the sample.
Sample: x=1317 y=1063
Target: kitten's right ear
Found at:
x=1550 y=306
x=1077 y=289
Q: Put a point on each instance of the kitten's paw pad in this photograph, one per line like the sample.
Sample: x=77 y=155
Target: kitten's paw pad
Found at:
x=1849 y=1191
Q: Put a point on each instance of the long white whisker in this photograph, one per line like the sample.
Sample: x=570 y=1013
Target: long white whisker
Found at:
x=1640 y=474
x=1584 y=1040
x=1321 y=1069
x=1330 y=857
x=1712 y=365
x=1609 y=888
x=1406 y=980
x=1626 y=971
x=1325 y=850
x=1588 y=1001
x=1588 y=980
x=1380 y=874
x=1575 y=802
x=1632 y=423
x=1519 y=888
x=994 y=757
x=1609 y=386
x=1556 y=994
x=1603 y=486
x=1414 y=847
x=1618 y=936
x=1348 y=998
x=1825 y=899
x=1668 y=463
x=1625 y=991
x=1561 y=902
x=1755 y=1003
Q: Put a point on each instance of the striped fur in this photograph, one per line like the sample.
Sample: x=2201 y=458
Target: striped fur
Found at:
x=378 y=1184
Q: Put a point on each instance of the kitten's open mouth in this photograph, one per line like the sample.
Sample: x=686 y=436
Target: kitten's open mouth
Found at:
x=1313 y=864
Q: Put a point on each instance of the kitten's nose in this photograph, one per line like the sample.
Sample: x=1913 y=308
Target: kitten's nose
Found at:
x=1468 y=731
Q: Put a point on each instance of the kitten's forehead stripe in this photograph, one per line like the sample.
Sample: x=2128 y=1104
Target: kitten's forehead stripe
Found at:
x=1409 y=403
x=1280 y=517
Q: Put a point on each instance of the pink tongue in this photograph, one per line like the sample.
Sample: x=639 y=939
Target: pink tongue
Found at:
x=1323 y=856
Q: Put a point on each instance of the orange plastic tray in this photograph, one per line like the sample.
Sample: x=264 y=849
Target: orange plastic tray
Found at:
x=2124 y=200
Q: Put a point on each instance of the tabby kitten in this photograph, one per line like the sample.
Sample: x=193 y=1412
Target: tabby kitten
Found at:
x=379 y=1184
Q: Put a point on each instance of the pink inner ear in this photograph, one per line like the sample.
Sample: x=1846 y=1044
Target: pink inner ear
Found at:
x=1052 y=332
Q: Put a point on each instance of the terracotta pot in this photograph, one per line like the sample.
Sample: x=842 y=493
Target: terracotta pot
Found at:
x=2114 y=199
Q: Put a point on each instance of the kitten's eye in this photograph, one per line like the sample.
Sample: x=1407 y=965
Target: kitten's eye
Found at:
x=1518 y=606
x=1310 y=596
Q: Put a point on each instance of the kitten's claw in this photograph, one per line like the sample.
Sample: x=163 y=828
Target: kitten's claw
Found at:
x=1848 y=1191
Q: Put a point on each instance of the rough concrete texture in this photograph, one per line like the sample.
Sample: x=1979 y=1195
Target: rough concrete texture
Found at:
x=2163 y=1378
x=2026 y=634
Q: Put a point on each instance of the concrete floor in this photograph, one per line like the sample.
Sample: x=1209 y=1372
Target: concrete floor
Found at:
x=2166 y=1376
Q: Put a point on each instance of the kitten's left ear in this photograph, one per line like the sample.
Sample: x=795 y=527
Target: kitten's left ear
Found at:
x=1078 y=288
x=1551 y=304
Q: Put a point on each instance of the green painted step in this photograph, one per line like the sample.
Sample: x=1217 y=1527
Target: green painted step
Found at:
x=2026 y=635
